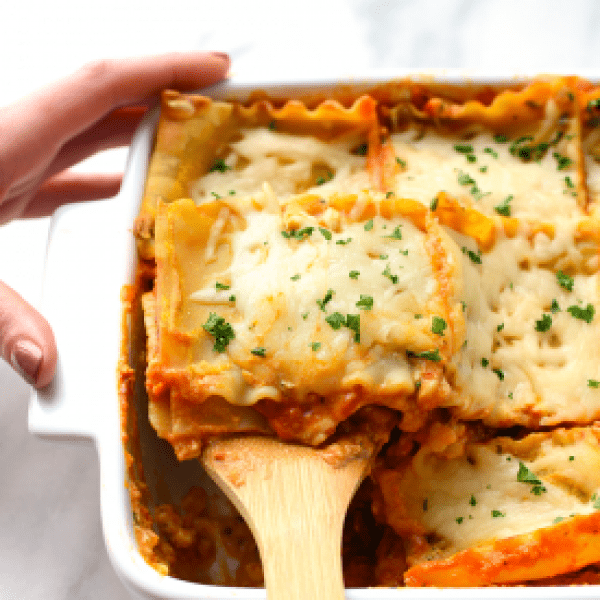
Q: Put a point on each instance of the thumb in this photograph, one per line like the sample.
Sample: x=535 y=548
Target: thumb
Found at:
x=26 y=340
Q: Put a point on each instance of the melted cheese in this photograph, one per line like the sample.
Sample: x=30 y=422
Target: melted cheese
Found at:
x=510 y=372
x=537 y=189
x=479 y=497
x=288 y=163
x=290 y=297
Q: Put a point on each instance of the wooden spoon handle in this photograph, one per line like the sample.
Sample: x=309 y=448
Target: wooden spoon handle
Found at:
x=295 y=503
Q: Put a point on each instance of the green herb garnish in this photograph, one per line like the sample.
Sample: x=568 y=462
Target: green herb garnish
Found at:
x=326 y=299
x=365 y=302
x=585 y=314
x=565 y=281
x=544 y=323
x=438 y=325
x=504 y=207
x=433 y=355
x=219 y=165
x=220 y=329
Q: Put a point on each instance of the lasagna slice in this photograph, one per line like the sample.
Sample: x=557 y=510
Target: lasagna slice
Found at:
x=519 y=155
x=531 y=355
x=301 y=310
x=497 y=511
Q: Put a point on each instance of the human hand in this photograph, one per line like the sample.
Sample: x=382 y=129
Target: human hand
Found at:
x=42 y=135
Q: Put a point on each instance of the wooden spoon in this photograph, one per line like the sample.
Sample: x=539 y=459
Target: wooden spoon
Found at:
x=294 y=500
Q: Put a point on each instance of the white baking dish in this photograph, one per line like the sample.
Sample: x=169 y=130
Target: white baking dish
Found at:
x=90 y=256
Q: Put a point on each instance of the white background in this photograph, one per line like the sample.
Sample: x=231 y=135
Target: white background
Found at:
x=51 y=544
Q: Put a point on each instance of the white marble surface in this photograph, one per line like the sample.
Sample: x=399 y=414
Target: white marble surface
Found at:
x=51 y=544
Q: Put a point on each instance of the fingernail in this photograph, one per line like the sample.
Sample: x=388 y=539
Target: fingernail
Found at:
x=26 y=358
x=221 y=55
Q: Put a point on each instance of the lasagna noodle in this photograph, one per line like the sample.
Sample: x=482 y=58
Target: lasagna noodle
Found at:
x=498 y=512
x=193 y=131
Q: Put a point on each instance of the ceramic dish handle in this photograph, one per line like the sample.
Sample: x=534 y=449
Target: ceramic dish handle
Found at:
x=81 y=259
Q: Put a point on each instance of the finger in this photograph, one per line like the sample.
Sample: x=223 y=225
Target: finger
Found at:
x=35 y=128
x=69 y=187
x=115 y=130
x=26 y=340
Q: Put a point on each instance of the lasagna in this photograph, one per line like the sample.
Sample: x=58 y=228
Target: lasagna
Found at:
x=420 y=261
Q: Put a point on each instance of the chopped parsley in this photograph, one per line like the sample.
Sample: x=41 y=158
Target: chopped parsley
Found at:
x=472 y=501
x=465 y=178
x=315 y=346
x=497 y=513
x=299 y=234
x=491 y=152
x=343 y=242
x=433 y=204
x=525 y=475
x=369 y=225
x=483 y=169
x=525 y=151
x=499 y=373
x=365 y=302
x=593 y=104
x=335 y=320
x=215 y=195
x=463 y=148
x=485 y=362
x=475 y=257
x=361 y=149
x=295 y=277
x=504 y=207
x=459 y=520
x=401 y=162
x=259 y=351
x=544 y=323
x=353 y=323
x=326 y=299
x=565 y=281
x=585 y=314
x=388 y=273
x=221 y=286
x=500 y=138
x=232 y=298
x=554 y=308
x=438 y=325
x=433 y=355
x=219 y=165
x=569 y=182
x=593 y=383
x=563 y=162
x=500 y=327
x=321 y=180
x=396 y=234
x=325 y=232
x=354 y=274
x=220 y=329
